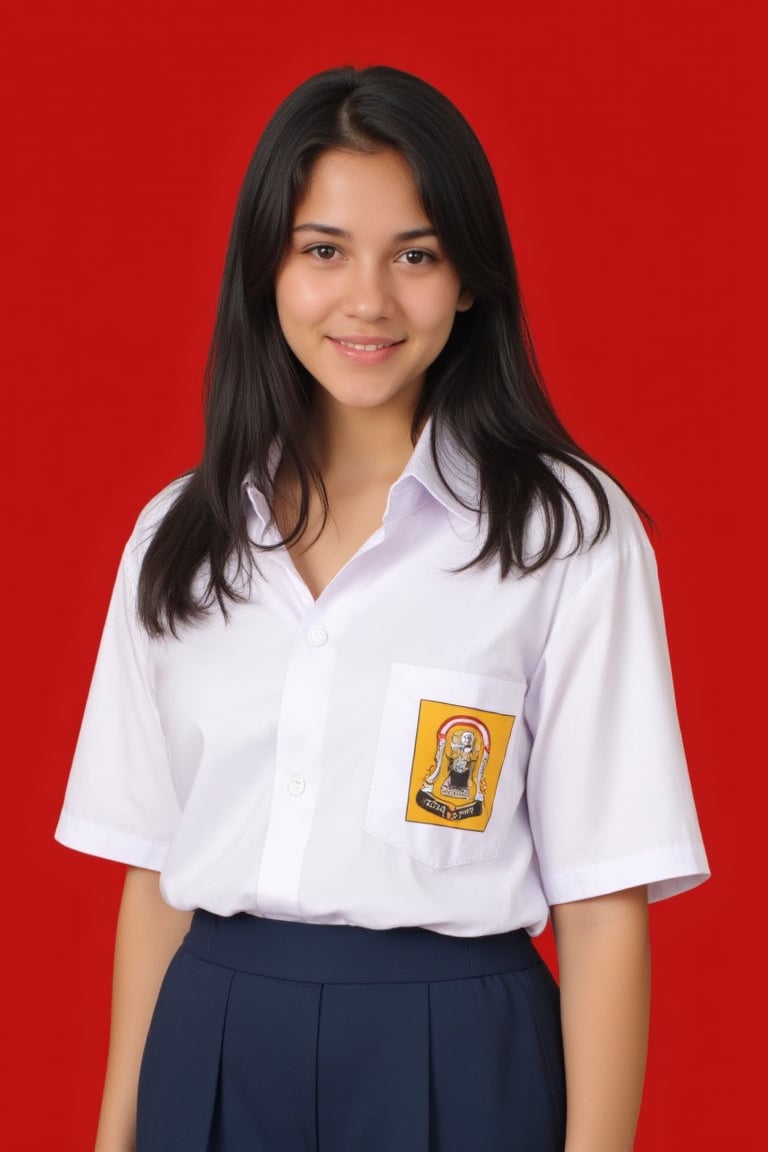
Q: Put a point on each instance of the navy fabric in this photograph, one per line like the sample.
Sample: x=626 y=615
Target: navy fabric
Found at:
x=275 y=1036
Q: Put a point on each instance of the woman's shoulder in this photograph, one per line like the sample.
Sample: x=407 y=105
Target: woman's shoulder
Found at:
x=607 y=526
x=150 y=518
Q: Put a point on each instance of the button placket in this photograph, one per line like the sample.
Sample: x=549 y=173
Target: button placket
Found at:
x=303 y=718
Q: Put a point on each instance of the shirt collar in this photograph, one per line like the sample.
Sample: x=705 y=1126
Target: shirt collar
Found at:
x=455 y=484
x=256 y=498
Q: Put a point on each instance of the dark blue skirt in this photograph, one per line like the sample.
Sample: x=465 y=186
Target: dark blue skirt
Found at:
x=274 y=1036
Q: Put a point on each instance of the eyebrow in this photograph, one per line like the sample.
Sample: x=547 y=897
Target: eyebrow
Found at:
x=340 y=234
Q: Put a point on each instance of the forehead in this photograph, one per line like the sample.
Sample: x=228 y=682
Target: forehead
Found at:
x=345 y=186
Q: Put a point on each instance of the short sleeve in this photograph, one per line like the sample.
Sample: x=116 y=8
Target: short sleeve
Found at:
x=610 y=801
x=120 y=802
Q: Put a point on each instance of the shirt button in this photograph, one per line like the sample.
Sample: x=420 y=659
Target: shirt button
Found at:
x=296 y=785
x=317 y=637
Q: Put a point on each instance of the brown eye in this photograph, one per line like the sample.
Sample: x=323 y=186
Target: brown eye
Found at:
x=417 y=256
x=323 y=252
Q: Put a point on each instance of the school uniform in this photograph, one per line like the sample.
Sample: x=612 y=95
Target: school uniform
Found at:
x=421 y=748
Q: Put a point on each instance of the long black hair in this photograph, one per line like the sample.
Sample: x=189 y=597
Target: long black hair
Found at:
x=485 y=387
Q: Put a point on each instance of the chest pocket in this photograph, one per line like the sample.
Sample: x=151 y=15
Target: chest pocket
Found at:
x=445 y=781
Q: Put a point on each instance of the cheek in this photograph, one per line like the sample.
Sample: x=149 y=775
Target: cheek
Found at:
x=299 y=299
x=432 y=303
x=435 y=312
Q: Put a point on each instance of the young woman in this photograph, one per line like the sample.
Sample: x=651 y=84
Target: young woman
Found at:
x=383 y=684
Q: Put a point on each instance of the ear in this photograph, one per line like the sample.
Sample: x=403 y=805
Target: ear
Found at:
x=465 y=301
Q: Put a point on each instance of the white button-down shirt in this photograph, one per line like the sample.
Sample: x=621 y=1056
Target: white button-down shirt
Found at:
x=418 y=746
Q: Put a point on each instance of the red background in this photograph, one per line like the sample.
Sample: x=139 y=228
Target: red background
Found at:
x=624 y=137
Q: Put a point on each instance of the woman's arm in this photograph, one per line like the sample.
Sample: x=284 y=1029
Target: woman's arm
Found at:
x=603 y=955
x=148 y=934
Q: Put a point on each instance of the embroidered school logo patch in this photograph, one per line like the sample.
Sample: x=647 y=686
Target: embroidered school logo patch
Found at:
x=456 y=766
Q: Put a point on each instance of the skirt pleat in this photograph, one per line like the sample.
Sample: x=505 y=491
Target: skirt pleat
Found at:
x=491 y=1085
x=267 y=1082
x=179 y=1076
x=373 y=1068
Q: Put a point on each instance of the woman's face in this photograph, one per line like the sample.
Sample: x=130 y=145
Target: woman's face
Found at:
x=365 y=294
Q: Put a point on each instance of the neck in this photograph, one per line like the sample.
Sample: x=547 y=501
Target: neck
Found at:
x=363 y=443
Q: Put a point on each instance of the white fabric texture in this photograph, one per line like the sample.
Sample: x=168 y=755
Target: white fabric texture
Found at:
x=288 y=762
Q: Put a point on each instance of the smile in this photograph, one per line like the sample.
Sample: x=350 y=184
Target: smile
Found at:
x=366 y=347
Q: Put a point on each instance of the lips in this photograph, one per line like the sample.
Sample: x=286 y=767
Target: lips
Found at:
x=364 y=343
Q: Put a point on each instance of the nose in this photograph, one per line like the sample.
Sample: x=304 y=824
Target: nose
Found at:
x=367 y=292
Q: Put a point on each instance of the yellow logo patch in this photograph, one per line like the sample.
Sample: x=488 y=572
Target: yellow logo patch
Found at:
x=456 y=765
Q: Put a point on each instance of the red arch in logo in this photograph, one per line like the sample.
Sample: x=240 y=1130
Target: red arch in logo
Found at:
x=467 y=722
